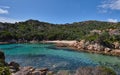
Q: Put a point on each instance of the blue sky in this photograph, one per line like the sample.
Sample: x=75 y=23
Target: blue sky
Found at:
x=59 y=11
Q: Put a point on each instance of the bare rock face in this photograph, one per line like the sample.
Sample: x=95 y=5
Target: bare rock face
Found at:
x=79 y=45
x=86 y=45
x=82 y=44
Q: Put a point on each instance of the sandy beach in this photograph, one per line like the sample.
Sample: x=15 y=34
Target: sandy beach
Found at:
x=4 y=42
x=60 y=41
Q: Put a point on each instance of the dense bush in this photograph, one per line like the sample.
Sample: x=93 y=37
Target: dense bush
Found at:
x=4 y=71
x=33 y=29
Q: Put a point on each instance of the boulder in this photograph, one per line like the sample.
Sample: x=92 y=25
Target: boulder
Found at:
x=36 y=73
x=24 y=71
x=98 y=47
x=44 y=69
x=50 y=73
x=14 y=66
x=80 y=45
x=117 y=45
x=43 y=73
x=63 y=72
x=90 y=47
x=116 y=52
x=107 y=50
x=31 y=71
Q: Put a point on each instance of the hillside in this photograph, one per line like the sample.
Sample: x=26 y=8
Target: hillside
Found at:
x=36 y=30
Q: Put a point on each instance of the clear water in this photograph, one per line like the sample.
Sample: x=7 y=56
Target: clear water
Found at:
x=47 y=55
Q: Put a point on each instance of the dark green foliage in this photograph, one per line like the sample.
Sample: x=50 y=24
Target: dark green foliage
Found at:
x=4 y=71
x=33 y=29
x=92 y=37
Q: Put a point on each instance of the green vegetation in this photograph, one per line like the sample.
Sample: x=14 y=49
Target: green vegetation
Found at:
x=4 y=71
x=105 y=33
x=33 y=29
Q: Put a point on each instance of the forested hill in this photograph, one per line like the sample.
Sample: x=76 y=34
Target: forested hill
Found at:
x=36 y=30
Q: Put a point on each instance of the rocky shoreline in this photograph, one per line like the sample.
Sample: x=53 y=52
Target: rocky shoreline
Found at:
x=92 y=47
x=81 y=45
x=14 y=68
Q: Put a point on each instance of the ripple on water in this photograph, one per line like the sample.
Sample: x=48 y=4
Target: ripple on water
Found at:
x=46 y=55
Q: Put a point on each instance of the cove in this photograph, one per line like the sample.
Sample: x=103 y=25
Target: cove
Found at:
x=47 y=55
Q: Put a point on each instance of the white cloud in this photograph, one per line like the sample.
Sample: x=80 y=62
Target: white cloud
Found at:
x=110 y=4
x=112 y=20
x=9 y=20
x=3 y=11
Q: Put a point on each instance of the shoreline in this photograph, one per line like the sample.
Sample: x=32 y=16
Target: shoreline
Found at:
x=112 y=53
x=4 y=43
x=60 y=41
x=70 y=43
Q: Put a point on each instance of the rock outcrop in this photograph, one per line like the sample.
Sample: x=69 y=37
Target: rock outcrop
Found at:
x=31 y=71
x=94 y=71
x=14 y=68
x=95 y=47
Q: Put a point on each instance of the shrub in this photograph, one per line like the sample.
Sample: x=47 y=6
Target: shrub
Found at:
x=4 y=71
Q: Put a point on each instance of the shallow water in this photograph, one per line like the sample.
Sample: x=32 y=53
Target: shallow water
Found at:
x=47 y=55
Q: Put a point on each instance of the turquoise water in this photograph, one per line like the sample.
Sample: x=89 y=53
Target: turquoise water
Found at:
x=47 y=55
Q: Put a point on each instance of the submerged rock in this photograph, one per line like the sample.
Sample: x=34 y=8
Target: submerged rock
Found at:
x=31 y=71
x=63 y=72
x=95 y=71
